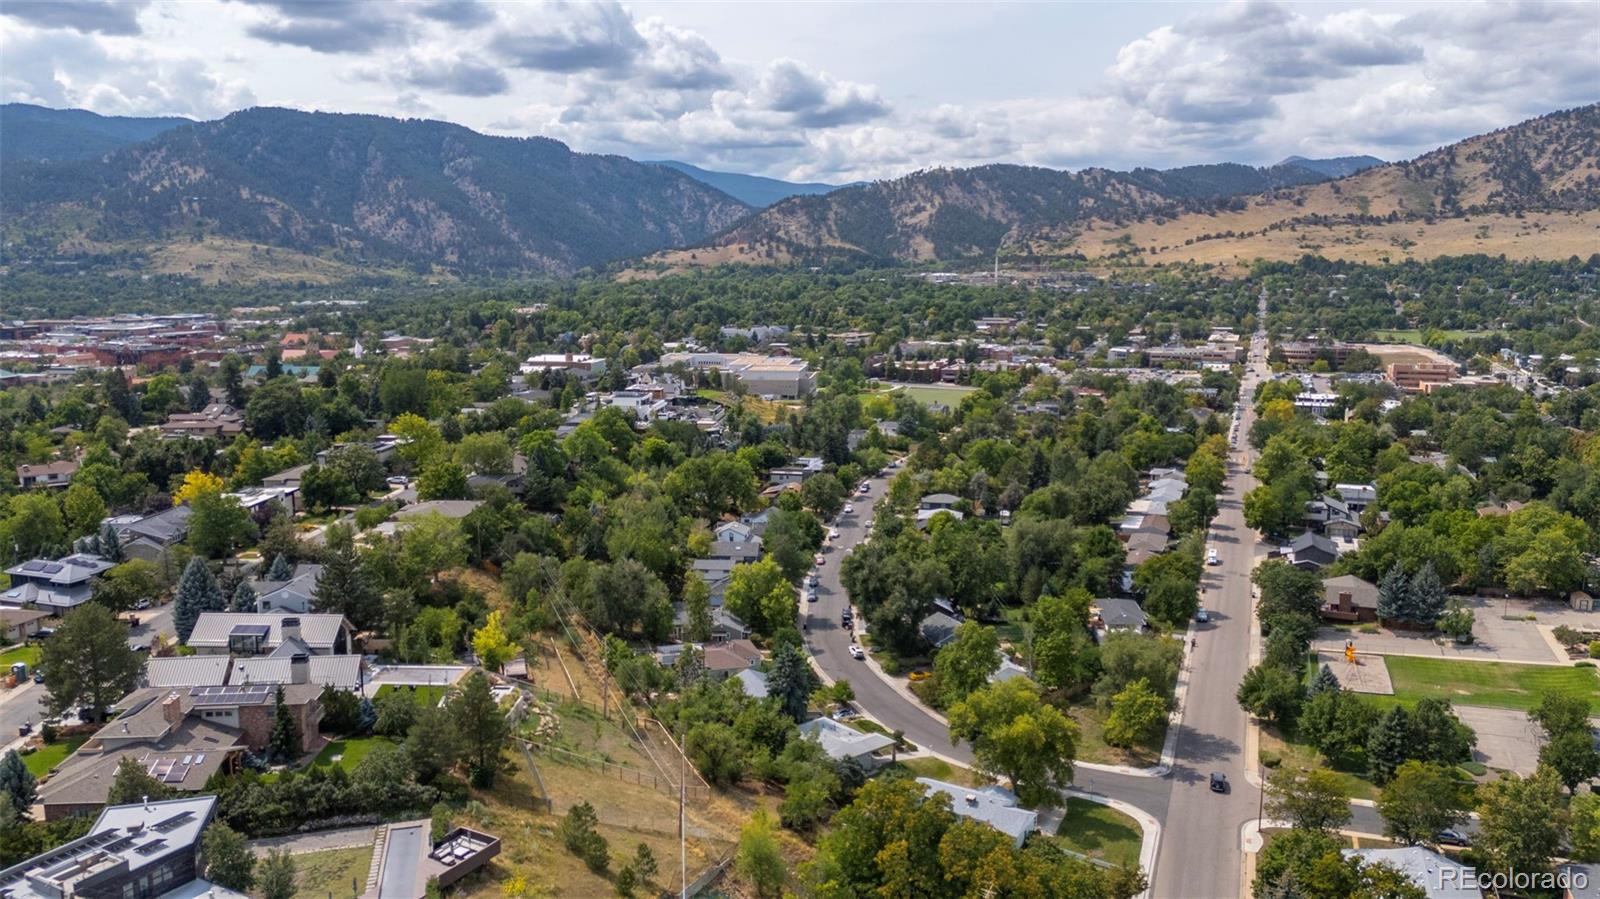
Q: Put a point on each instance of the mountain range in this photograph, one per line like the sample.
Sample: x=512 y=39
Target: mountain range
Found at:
x=277 y=193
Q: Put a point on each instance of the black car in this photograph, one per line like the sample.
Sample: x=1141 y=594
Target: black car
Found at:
x=1219 y=782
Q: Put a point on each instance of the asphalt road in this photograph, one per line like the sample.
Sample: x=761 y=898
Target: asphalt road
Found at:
x=1200 y=851
x=829 y=644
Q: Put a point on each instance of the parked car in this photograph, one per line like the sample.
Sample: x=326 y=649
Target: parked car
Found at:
x=1219 y=782
x=139 y=605
x=819 y=559
x=397 y=481
x=848 y=508
x=866 y=488
x=1202 y=616
x=1212 y=558
x=811 y=595
x=1452 y=838
x=833 y=534
x=917 y=676
x=856 y=652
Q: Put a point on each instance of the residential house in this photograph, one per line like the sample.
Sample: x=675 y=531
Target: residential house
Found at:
x=134 y=851
x=734 y=532
x=840 y=742
x=1357 y=496
x=294 y=595
x=1114 y=615
x=1438 y=876
x=47 y=474
x=253 y=498
x=269 y=633
x=938 y=628
x=289 y=477
x=797 y=471
x=991 y=805
x=938 y=501
x=727 y=658
x=54 y=585
x=148 y=537
x=1349 y=598
x=1310 y=552
x=218 y=420
x=1008 y=670
x=1332 y=516
x=19 y=624
x=752 y=682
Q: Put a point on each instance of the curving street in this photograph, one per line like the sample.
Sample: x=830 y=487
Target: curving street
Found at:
x=1199 y=852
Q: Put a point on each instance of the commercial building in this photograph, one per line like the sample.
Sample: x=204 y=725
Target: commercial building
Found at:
x=1415 y=377
x=785 y=377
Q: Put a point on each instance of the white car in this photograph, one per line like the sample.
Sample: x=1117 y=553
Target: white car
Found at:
x=856 y=652
x=833 y=534
x=140 y=605
x=1212 y=559
x=819 y=560
x=848 y=508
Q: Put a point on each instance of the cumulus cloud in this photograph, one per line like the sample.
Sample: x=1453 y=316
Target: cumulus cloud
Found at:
x=456 y=75
x=571 y=37
x=327 y=26
x=98 y=16
x=815 y=99
x=458 y=13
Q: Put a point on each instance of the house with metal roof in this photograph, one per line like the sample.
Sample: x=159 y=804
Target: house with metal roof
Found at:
x=148 y=537
x=55 y=585
x=842 y=742
x=140 y=849
x=263 y=633
x=994 y=806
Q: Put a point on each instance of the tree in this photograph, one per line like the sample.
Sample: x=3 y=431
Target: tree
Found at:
x=1324 y=681
x=1172 y=600
x=1560 y=713
x=761 y=597
x=1437 y=735
x=218 y=525
x=717 y=752
x=432 y=744
x=1457 y=620
x=1585 y=828
x=1521 y=821
x=806 y=798
x=1137 y=713
x=1389 y=745
x=84 y=509
x=1313 y=800
x=442 y=479
x=281 y=568
x=1286 y=855
x=965 y=663
x=644 y=862
x=1422 y=799
x=87 y=663
x=1270 y=693
x=791 y=681
x=491 y=644
x=580 y=836
x=1126 y=657
x=244 y=598
x=1286 y=589
x=823 y=494
x=283 y=743
x=483 y=729
x=1064 y=655
x=194 y=484
x=229 y=861
x=34 y=527
x=1428 y=596
x=1573 y=758
x=123 y=586
x=197 y=592
x=1016 y=735
x=17 y=783
x=486 y=453
x=276 y=409
x=759 y=860
x=1394 y=595
x=110 y=545
x=697 y=605
x=277 y=875
x=133 y=783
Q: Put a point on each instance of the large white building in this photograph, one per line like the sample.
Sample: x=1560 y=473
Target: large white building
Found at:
x=780 y=376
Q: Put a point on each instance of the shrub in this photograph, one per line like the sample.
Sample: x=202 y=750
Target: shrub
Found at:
x=1565 y=635
x=1270 y=759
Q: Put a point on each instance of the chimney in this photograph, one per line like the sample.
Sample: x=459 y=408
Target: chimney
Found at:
x=288 y=628
x=299 y=668
x=172 y=709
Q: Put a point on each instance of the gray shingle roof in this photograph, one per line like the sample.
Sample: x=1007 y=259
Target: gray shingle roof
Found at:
x=842 y=742
x=993 y=806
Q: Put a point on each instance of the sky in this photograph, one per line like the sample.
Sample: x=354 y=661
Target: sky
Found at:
x=833 y=91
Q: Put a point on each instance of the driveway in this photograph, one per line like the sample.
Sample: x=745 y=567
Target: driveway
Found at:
x=1495 y=639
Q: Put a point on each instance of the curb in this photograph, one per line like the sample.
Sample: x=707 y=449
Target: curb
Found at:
x=1151 y=842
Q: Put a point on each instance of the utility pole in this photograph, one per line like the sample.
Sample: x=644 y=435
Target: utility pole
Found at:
x=683 y=845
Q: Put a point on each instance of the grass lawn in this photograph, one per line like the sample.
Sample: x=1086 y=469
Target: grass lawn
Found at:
x=943 y=394
x=1302 y=757
x=29 y=653
x=939 y=769
x=1100 y=831
x=426 y=695
x=335 y=872
x=39 y=763
x=1496 y=684
x=351 y=750
x=1414 y=335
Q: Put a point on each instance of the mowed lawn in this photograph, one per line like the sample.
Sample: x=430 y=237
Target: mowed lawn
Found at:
x=29 y=653
x=1495 y=684
x=39 y=763
x=332 y=872
x=929 y=394
x=350 y=751
x=1100 y=831
x=427 y=695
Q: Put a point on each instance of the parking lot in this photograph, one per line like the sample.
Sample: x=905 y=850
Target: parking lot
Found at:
x=1495 y=638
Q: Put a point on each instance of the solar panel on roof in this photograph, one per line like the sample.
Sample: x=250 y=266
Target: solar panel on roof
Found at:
x=52 y=568
x=33 y=566
x=173 y=822
x=150 y=847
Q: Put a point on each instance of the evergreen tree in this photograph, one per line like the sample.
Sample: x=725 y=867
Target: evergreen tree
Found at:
x=284 y=742
x=244 y=598
x=1389 y=745
x=1325 y=680
x=277 y=875
x=282 y=569
x=368 y=716
x=229 y=862
x=1394 y=595
x=790 y=681
x=197 y=592
x=1428 y=597
x=344 y=588
x=482 y=727
x=17 y=782
x=108 y=546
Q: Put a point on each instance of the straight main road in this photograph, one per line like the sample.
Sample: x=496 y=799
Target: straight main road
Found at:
x=1200 y=851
